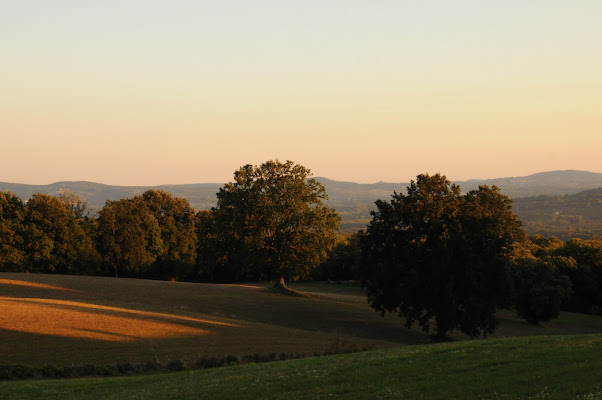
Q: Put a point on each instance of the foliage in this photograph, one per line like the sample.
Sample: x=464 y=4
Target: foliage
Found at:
x=579 y=260
x=583 y=266
x=129 y=237
x=343 y=261
x=56 y=240
x=437 y=254
x=540 y=289
x=12 y=247
x=177 y=222
x=207 y=259
x=271 y=222
x=176 y=219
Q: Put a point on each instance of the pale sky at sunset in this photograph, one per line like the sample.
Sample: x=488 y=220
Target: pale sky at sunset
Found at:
x=153 y=92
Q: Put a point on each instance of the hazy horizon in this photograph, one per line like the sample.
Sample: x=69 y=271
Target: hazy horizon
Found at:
x=148 y=93
x=314 y=176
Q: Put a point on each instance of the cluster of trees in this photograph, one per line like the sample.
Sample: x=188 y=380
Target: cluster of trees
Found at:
x=130 y=237
x=269 y=223
x=438 y=257
x=552 y=275
x=448 y=261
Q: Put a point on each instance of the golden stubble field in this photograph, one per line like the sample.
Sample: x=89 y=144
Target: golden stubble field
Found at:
x=77 y=320
x=65 y=320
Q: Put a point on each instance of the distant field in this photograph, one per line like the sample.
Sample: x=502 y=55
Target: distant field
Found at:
x=545 y=367
x=77 y=320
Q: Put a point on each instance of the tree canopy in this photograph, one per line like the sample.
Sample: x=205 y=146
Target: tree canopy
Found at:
x=271 y=222
x=12 y=246
x=176 y=219
x=435 y=254
x=129 y=237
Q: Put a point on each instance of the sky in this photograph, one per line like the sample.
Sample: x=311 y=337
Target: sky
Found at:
x=150 y=92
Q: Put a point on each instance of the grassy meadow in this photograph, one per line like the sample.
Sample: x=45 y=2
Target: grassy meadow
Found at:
x=543 y=367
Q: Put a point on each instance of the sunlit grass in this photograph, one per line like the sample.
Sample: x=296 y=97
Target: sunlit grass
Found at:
x=89 y=321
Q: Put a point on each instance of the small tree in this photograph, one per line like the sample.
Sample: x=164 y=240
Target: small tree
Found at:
x=271 y=223
x=540 y=290
x=435 y=254
x=585 y=273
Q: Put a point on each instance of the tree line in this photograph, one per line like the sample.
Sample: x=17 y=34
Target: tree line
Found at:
x=440 y=258
x=268 y=224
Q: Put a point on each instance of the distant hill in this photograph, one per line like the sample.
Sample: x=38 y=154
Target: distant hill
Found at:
x=354 y=201
x=544 y=183
x=570 y=216
x=200 y=195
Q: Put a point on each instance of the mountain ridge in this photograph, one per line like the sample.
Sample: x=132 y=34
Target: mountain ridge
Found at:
x=202 y=195
x=536 y=197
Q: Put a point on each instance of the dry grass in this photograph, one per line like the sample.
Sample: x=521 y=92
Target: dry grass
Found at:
x=90 y=321
x=60 y=320
x=37 y=285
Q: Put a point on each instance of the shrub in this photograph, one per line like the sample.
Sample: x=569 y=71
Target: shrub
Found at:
x=175 y=365
x=540 y=290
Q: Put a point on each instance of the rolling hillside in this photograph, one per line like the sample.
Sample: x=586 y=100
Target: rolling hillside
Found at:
x=547 y=367
x=96 y=321
x=570 y=216
x=104 y=321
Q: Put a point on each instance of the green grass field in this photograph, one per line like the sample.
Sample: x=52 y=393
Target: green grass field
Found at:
x=544 y=367
x=76 y=320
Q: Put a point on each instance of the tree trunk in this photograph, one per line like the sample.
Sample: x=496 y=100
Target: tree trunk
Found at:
x=280 y=284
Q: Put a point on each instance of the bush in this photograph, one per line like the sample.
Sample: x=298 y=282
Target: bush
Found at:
x=176 y=365
x=540 y=290
x=210 y=362
x=230 y=360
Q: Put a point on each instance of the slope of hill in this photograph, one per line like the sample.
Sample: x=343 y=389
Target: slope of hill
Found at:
x=104 y=321
x=200 y=195
x=581 y=215
x=570 y=216
x=544 y=183
x=549 y=367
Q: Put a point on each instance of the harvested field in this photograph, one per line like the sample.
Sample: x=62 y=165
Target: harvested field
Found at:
x=65 y=320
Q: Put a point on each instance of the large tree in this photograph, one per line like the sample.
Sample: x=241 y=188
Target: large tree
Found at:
x=438 y=255
x=271 y=223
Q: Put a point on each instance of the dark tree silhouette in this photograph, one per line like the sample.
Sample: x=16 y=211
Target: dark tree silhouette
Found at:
x=435 y=255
